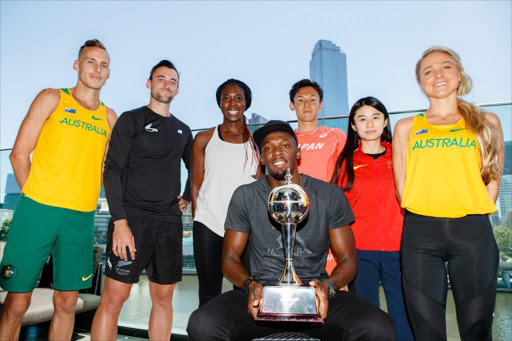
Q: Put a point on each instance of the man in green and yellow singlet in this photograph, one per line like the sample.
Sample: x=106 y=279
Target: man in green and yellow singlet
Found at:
x=67 y=131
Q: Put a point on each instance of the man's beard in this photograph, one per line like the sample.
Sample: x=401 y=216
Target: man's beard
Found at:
x=163 y=99
x=278 y=175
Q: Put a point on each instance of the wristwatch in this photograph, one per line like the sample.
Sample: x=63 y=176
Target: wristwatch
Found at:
x=248 y=282
x=332 y=287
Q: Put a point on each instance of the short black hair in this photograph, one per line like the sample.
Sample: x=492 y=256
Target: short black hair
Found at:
x=166 y=64
x=270 y=127
x=303 y=84
x=241 y=85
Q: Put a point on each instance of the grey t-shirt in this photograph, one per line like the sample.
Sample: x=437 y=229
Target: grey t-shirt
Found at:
x=247 y=213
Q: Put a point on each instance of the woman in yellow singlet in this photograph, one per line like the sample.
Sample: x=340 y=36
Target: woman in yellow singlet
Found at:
x=447 y=165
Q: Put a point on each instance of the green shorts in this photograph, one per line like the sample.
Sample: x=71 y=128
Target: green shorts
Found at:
x=39 y=230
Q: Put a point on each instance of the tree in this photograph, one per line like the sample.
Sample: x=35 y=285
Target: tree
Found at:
x=503 y=236
x=5 y=229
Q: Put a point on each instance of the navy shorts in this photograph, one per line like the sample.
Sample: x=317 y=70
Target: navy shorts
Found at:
x=159 y=247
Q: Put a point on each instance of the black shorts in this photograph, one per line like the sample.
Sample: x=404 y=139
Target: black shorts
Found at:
x=159 y=247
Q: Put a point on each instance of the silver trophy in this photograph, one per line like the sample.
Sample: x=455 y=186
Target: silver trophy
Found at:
x=288 y=300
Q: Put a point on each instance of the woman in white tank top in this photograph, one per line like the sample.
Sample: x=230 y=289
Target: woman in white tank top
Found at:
x=223 y=158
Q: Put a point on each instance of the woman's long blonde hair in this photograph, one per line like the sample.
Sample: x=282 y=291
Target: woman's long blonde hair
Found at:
x=484 y=130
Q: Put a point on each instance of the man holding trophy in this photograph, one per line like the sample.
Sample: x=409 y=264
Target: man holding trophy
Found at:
x=287 y=221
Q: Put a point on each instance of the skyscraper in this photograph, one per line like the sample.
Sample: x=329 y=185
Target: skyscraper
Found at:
x=256 y=119
x=328 y=67
x=507 y=166
x=101 y=220
x=504 y=203
x=12 y=193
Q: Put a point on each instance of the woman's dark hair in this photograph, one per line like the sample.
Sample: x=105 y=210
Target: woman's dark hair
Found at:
x=241 y=85
x=247 y=135
x=347 y=154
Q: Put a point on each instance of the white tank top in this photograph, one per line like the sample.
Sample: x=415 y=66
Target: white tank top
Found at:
x=226 y=167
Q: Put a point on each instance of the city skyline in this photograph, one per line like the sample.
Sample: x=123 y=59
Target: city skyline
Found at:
x=227 y=39
x=224 y=39
x=501 y=217
x=255 y=118
x=328 y=67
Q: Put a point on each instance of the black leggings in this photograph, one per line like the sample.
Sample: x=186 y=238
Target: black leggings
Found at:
x=467 y=245
x=207 y=254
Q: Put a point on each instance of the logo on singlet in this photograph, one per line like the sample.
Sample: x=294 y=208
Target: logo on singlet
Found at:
x=356 y=167
x=150 y=129
x=84 y=125
x=70 y=110
x=444 y=143
x=454 y=130
x=312 y=146
x=421 y=131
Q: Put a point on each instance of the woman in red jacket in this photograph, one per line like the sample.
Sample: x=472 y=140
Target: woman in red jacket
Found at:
x=364 y=171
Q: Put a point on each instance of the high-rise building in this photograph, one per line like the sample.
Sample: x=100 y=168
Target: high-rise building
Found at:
x=12 y=193
x=188 y=221
x=257 y=120
x=328 y=67
x=101 y=220
x=507 y=166
x=504 y=203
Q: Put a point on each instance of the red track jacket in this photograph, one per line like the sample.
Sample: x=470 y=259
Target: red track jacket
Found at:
x=379 y=218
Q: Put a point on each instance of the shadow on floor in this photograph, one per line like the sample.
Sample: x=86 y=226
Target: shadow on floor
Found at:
x=40 y=332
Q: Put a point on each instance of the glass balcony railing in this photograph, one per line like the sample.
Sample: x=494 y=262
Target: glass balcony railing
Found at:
x=135 y=313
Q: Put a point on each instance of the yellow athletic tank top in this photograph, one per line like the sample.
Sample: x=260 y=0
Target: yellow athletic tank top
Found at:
x=68 y=157
x=442 y=177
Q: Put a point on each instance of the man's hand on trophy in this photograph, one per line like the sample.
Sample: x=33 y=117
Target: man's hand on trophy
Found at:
x=254 y=298
x=321 y=297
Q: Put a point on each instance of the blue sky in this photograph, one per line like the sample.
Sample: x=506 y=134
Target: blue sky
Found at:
x=266 y=44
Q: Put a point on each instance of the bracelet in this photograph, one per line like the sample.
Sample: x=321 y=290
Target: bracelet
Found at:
x=332 y=287
x=248 y=282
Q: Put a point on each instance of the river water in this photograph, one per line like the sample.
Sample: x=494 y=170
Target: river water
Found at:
x=135 y=312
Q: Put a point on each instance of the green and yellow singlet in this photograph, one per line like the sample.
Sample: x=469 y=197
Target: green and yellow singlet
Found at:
x=443 y=171
x=67 y=160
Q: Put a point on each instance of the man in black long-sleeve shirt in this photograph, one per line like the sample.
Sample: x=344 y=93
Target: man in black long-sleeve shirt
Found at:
x=142 y=185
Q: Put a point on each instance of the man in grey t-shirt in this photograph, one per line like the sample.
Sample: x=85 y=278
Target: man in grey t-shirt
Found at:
x=329 y=210
x=230 y=316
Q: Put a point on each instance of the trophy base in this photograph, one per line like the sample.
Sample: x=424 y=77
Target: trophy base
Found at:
x=288 y=303
x=311 y=319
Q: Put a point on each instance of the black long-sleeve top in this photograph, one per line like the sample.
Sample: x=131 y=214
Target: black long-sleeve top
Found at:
x=143 y=163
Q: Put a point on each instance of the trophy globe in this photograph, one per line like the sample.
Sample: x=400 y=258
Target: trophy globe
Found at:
x=288 y=205
x=288 y=301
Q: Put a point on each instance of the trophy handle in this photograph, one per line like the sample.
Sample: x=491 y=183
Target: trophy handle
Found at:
x=289 y=276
